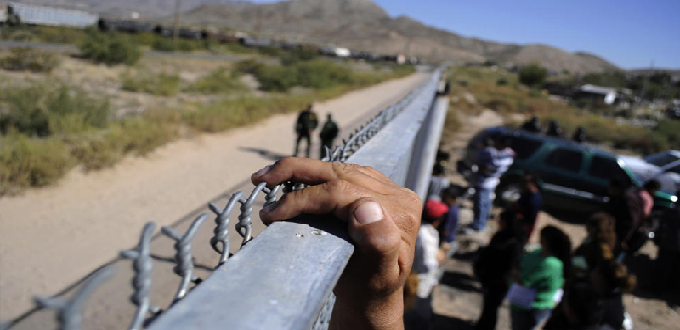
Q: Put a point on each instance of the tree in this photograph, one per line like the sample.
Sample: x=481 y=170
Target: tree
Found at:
x=533 y=75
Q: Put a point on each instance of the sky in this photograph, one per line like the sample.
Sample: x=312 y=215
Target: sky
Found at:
x=628 y=33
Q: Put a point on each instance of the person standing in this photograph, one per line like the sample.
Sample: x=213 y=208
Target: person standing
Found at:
x=554 y=129
x=528 y=207
x=329 y=132
x=438 y=182
x=532 y=125
x=426 y=261
x=668 y=258
x=579 y=135
x=307 y=122
x=493 y=268
x=492 y=163
x=540 y=276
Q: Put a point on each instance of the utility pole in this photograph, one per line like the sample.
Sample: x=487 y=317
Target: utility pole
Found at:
x=175 y=27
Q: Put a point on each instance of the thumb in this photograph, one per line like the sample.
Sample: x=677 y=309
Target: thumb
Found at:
x=374 y=232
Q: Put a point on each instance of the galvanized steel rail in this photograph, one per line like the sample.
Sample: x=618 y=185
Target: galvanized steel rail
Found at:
x=283 y=278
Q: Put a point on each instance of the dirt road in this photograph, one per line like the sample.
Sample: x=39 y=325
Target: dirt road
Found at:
x=50 y=238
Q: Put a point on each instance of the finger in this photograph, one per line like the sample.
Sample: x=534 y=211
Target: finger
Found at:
x=298 y=170
x=377 y=239
x=331 y=197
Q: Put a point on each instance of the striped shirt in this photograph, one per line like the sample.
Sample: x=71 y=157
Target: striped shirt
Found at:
x=492 y=164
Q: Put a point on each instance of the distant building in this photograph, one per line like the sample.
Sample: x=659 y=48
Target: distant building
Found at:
x=594 y=93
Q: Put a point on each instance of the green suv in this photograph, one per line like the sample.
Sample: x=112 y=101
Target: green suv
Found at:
x=574 y=176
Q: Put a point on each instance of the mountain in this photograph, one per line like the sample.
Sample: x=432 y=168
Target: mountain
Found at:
x=363 y=25
x=356 y=24
x=123 y=8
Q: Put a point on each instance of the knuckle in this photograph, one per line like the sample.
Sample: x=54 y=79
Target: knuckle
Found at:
x=337 y=186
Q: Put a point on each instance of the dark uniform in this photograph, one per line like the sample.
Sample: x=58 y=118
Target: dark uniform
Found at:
x=307 y=122
x=328 y=134
x=532 y=125
x=580 y=135
x=554 y=129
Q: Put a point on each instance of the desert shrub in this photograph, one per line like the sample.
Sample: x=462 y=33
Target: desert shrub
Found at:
x=221 y=80
x=136 y=135
x=28 y=59
x=26 y=162
x=533 y=75
x=230 y=113
x=295 y=57
x=501 y=106
x=110 y=48
x=277 y=78
x=168 y=45
x=162 y=84
x=51 y=108
x=502 y=81
x=249 y=66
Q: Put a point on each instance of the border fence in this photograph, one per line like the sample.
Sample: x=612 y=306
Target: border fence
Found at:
x=283 y=278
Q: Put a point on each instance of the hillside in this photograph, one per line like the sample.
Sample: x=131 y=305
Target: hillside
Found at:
x=357 y=24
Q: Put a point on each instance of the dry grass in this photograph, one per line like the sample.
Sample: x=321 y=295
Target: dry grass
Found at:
x=511 y=98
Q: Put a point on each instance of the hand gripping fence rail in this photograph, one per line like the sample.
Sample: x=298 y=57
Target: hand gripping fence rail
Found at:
x=284 y=278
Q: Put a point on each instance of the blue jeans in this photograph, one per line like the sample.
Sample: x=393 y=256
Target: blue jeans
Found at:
x=528 y=319
x=481 y=207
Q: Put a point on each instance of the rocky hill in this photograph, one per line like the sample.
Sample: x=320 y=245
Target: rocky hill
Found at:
x=357 y=24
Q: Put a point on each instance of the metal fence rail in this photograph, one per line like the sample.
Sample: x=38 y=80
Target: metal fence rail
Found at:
x=284 y=278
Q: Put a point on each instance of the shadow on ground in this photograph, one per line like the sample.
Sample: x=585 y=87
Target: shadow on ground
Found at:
x=265 y=153
x=440 y=322
x=460 y=281
x=645 y=269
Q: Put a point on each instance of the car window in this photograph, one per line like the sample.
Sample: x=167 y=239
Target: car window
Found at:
x=661 y=159
x=524 y=147
x=565 y=159
x=607 y=169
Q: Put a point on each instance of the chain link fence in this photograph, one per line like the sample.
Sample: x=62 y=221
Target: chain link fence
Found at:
x=284 y=278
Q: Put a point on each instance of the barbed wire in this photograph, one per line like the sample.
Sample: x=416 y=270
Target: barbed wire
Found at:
x=69 y=312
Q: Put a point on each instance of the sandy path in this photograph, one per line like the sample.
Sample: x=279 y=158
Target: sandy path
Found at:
x=50 y=238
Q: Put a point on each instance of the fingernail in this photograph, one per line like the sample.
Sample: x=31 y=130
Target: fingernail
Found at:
x=368 y=212
x=263 y=171
x=270 y=207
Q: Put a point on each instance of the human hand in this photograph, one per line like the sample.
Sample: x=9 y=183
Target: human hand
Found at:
x=383 y=220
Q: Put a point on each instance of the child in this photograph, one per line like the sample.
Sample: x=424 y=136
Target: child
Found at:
x=426 y=262
x=447 y=232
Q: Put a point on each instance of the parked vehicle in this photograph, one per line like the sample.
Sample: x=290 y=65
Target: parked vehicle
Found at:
x=39 y=15
x=574 y=176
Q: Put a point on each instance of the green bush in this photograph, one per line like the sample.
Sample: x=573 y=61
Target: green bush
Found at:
x=50 y=108
x=26 y=162
x=230 y=113
x=277 y=78
x=162 y=84
x=249 y=66
x=168 y=45
x=533 y=75
x=219 y=81
x=28 y=59
x=295 y=57
x=110 y=48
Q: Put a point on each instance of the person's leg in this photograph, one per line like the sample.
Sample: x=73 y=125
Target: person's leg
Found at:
x=540 y=315
x=297 y=145
x=663 y=268
x=521 y=319
x=493 y=298
x=481 y=208
x=309 y=145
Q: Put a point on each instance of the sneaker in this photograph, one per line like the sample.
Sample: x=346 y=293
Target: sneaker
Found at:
x=469 y=231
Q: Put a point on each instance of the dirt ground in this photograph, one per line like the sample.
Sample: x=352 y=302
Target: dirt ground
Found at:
x=458 y=299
